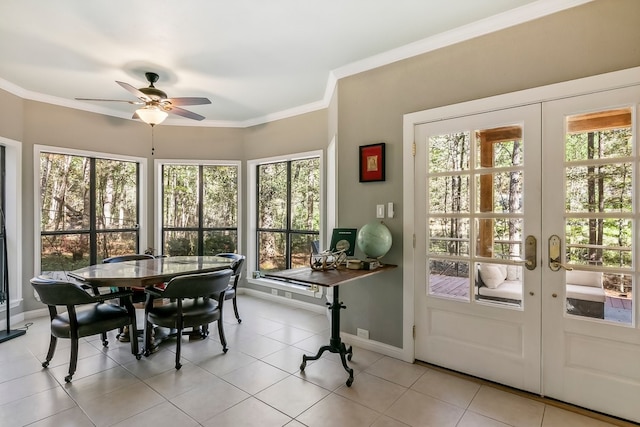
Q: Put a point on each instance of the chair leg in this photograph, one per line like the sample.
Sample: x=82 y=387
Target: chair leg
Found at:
x=235 y=309
x=105 y=342
x=73 y=362
x=178 y=345
x=52 y=349
x=223 y=340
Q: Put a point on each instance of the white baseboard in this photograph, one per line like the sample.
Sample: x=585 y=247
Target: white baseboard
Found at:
x=321 y=309
x=354 y=340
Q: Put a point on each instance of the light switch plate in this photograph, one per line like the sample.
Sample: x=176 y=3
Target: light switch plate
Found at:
x=379 y=211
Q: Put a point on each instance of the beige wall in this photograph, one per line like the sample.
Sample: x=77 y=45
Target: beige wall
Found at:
x=595 y=38
x=591 y=39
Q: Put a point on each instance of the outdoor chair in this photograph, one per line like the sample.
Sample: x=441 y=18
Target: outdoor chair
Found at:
x=192 y=307
x=74 y=324
x=231 y=291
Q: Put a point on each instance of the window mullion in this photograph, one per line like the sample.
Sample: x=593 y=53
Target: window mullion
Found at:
x=93 y=240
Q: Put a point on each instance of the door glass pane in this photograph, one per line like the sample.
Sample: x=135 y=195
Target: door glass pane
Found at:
x=599 y=215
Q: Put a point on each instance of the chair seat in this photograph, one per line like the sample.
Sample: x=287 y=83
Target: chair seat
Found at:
x=98 y=318
x=195 y=313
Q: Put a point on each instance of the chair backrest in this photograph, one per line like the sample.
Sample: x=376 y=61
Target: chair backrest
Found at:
x=238 y=262
x=129 y=257
x=59 y=292
x=197 y=285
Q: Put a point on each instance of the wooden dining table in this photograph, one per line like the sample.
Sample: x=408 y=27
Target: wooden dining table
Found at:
x=147 y=272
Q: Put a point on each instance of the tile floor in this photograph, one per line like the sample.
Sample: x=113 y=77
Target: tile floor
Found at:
x=257 y=383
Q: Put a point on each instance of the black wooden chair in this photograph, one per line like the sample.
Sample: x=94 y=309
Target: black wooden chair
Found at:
x=75 y=324
x=231 y=291
x=138 y=293
x=192 y=307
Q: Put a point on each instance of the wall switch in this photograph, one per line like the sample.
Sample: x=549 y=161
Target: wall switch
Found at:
x=287 y=294
x=379 y=211
x=390 y=212
x=363 y=333
x=274 y=292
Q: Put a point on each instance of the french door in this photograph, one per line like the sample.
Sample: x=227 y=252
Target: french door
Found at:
x=526 y=223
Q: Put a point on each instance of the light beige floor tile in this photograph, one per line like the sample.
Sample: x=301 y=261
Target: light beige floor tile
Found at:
x=17 y=368
x=196 y=350
x=335 y=410
x=419 y=410
x=73 y=417
x=385 y=421
x=62 y=355
x=447 y=387
x=288 y=359
x=86 y=366
x=507 y=408
x=373 y=392
x=162 y=415
x=121 y=404
x=175 y=382
x=26 y=386
x=325 y=373
x=312 y=344
x=290 y=334
x=88 y=388
x=35 y=407
x=152 y=365
x=471 y=419
x=396 y=371
x=259 y=347
x=221 y=364
x=557 y=417
x=249 y=413
x=255 y=376
x=209 y=399
x=293 y=395
x=361 y=359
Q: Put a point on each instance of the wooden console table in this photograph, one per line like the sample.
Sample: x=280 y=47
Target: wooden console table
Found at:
x=329 y=279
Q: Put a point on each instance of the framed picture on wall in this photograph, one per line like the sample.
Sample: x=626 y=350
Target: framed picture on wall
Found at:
x=372 y=162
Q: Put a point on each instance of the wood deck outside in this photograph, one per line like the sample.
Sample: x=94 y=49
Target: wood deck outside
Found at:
x=458 y=287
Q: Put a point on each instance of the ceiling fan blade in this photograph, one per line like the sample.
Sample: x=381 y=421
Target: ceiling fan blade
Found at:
x=110 y=100
x=134 y=91
x=184 y=113
x=188 y=100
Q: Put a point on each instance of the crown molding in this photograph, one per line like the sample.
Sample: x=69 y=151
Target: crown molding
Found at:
x=479 y=28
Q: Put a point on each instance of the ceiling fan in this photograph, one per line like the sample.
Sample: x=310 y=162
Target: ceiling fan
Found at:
x=156 y=105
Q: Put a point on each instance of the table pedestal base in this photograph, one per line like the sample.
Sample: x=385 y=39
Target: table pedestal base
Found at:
x=335 y=342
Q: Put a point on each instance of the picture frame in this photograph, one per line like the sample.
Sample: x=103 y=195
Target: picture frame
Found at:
x=371 y=159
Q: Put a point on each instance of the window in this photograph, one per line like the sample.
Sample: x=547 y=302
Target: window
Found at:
x=287 y=213
x=89 y=209
x=199 y=208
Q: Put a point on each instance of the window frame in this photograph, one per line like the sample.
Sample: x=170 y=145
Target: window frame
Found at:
x=158 y=191
x=252 y=221
x=142 y=192
x=13 y=220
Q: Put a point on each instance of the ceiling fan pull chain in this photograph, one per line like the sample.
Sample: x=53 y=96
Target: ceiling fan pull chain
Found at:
x=153 y=146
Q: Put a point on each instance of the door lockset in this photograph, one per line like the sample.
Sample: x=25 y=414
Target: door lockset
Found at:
x=530 y=249
x=555 y=262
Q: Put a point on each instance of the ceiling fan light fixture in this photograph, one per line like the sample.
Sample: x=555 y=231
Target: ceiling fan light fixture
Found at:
x=151 y=115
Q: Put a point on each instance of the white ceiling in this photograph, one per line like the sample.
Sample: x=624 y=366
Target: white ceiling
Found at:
x=257 y=60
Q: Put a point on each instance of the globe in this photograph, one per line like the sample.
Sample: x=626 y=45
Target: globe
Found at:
x=374 y=239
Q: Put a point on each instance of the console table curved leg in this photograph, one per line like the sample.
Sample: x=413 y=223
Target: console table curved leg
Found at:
x=335 y=342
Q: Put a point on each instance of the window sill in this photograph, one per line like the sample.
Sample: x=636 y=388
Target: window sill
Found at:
x=287 y=287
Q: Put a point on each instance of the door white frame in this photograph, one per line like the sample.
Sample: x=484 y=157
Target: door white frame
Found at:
x=593 y=84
